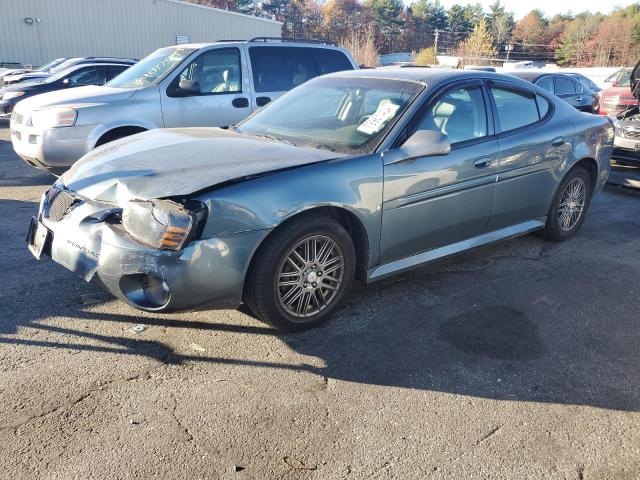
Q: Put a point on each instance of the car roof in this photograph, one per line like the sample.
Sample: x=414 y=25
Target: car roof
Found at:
x=259 y=43
x=426 y=75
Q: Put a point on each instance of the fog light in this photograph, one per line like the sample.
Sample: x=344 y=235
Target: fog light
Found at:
x=156 y=290
x=146 y=291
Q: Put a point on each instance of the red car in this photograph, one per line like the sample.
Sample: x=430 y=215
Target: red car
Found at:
x=618 y=97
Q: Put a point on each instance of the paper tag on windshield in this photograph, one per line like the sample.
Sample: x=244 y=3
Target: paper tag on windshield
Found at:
x=377 y=121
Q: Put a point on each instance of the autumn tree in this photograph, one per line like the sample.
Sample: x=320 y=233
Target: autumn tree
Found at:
x=573 y=43
x=478 y=47
x=529 y=29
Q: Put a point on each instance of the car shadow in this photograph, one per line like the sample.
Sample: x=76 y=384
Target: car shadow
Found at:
x=520 y=321
x=15 y=172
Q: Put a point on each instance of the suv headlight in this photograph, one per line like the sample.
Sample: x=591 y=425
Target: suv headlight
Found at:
x=162 y=224
x=10 y=95
x=54 y=117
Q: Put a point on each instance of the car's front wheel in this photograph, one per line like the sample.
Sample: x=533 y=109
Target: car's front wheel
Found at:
x=569 y=206
x=302 y=273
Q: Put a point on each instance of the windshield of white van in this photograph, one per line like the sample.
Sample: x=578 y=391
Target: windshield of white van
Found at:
x=151 y=69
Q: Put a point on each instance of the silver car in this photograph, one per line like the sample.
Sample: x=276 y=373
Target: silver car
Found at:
x=194 y=85
x=354 y=175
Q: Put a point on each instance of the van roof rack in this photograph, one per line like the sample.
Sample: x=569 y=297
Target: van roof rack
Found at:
x=292 y=39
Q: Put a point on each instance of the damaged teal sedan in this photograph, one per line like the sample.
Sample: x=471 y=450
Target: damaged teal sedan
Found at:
x=354 y=175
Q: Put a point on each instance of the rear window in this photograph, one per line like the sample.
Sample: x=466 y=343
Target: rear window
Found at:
x=278 y=69
x=515 y=109
x=565 y=85
x=546 y=83
x=329 y=61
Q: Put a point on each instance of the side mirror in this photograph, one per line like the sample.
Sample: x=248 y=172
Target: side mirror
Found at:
x=425 y=143
x=188 y=87
x=66 y=82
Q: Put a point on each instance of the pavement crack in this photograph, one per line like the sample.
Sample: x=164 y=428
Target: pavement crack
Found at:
x=298 y=464
x=185 y=430
x=488 y=435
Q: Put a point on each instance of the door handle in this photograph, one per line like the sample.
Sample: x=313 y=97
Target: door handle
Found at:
x=578 y=99
x=482 y=162
x=557 y=142
x=240 y=102
x=262 y=101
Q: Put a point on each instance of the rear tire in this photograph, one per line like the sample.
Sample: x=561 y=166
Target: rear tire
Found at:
x=302 y=273
x=569 y=207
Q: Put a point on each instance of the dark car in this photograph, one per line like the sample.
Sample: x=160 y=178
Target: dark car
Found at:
x=75 y=76
x=564 y=86
x=586 y=81
x=43 y=70
x=58 y=66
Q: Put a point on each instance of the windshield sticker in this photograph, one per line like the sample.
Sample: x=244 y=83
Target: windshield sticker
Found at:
x=376 y=122
x=158 y=68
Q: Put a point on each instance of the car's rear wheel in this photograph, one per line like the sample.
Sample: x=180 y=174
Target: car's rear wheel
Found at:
x=302 y=273
x=569 y=207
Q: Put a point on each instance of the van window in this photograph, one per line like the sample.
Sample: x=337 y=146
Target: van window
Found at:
x=329 y=61
x=515 y=109
x=215 y=71
x=278 y=69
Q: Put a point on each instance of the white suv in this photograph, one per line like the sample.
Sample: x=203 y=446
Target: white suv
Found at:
x=193 y=85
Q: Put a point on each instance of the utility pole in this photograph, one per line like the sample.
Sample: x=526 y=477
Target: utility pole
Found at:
x=436 y=36
x=508 y=48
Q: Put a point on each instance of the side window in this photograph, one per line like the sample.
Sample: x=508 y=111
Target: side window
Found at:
x=84 y=76
x=215 y=71
x=546 y=83
x=329 y=61
x=543 y=105
x=460 y=114
x=278 y=69
x=101 y=75
x=515 y=109
x=115 y=71
x=565 y=86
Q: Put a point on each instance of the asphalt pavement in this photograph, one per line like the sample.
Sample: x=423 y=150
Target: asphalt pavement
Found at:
x=515 y=361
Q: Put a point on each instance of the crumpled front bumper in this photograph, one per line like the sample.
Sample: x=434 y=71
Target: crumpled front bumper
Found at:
x=206 y=271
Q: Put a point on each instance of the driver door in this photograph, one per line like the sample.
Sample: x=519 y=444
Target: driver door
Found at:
x=223 y=96
x=429 y=202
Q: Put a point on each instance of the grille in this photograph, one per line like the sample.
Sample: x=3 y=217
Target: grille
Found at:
x=60 y=205
x=631 y=133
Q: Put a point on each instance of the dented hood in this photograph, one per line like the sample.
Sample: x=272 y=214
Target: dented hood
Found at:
x=173 y=162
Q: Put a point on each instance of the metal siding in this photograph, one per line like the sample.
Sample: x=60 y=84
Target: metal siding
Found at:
x=120 y=28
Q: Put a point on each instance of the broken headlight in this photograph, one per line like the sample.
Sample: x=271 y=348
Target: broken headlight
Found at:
x=163 y=224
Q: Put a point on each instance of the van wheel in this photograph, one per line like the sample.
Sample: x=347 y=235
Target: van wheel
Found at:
x=569 y=207
x=302 y=274
x=117 y=134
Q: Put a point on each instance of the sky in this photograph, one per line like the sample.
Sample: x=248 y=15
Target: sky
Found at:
x=550 y=7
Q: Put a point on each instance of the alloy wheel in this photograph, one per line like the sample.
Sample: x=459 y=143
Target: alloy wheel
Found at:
x=572 y=204
x=310 y=276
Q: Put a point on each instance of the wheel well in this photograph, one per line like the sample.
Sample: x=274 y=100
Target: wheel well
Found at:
x=591 y=166
x=348 y=220
x=119 y=132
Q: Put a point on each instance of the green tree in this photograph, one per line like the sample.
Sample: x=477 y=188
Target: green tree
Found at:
x=432 y=14
x=500 y=23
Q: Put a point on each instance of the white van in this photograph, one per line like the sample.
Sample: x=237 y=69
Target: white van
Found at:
x=192 y=85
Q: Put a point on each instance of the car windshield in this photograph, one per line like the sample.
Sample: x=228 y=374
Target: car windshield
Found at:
x=625 y=79
x=151 y=69
x=50 y=65
x=64 y=65
x=57 y=76
x=348 y=115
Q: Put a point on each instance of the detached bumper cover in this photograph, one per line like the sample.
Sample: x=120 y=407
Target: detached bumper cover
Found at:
x=208 y=270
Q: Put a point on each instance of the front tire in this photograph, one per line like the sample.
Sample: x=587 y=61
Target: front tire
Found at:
x=302 y=273
x=569 y=207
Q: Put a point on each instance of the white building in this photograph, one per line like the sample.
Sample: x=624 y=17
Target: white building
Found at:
x=36 y=31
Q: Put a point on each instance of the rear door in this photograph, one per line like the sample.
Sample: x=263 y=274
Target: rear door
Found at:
x=224 y=89
x=277 y=69
x=571 y=92
x=533 y=140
